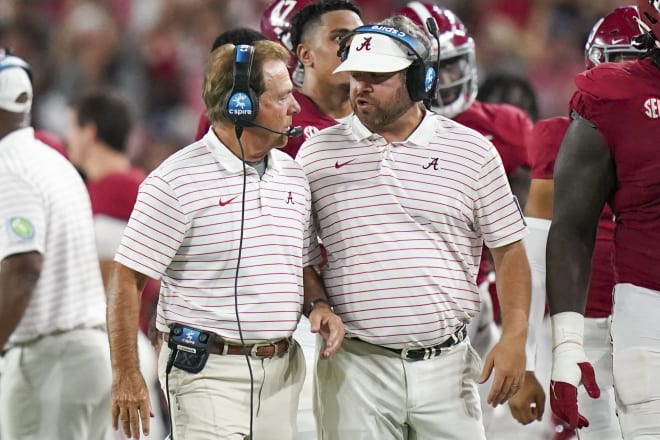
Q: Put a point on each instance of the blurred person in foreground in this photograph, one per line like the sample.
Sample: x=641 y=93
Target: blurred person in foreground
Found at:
x=56 y=378
x=405 y=200
x=223 y=223
x=609 y=155
x=509 y=129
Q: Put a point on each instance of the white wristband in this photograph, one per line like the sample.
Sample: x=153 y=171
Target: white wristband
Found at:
x=567 y=327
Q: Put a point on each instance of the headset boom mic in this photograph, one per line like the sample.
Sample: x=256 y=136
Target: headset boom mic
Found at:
x=291 y=131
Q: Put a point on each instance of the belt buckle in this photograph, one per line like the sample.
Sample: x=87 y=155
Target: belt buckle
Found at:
x=428 y=353
x=257 y=346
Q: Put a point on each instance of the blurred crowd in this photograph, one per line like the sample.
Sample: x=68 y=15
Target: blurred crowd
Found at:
x=154 y=52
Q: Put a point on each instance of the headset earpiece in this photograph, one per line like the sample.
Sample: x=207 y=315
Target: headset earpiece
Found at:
x=421 y=77
x=241 y=104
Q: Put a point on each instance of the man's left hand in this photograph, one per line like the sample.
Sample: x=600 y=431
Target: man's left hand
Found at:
x=528 y=403
x=323 y=321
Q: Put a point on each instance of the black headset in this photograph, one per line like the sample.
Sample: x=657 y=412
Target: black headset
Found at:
x=8 y=59
x=241 y=104
x=421 y=77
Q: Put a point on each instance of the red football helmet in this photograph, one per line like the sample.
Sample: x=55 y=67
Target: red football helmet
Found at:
x=275 y=24
x=457 y=76
x=649 y=14
x=612 y=37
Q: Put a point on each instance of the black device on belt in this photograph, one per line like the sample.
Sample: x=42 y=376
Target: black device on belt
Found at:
x=190 y=347
x=420 y=354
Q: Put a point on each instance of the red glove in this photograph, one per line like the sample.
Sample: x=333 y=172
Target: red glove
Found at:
x=570 y=367
x=563 y=397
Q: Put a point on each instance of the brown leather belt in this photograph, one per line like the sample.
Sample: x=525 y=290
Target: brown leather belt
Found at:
x=261 y=349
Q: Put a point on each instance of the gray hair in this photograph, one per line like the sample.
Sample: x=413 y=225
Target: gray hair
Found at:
x=408 y=26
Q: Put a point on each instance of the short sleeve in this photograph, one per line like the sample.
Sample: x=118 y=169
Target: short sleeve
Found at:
x=155 y=230
x=498 y=214
x=23 y=217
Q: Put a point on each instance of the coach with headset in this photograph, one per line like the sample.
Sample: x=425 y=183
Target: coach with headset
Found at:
x=224 y=224
x=405 y=199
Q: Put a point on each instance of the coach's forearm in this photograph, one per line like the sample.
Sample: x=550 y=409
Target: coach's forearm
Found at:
x=124 y=289
x=513 y=288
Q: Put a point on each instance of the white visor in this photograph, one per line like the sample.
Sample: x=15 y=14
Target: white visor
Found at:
x=376 y=53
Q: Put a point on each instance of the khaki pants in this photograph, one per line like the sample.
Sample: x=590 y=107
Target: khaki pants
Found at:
x=215 y=403
x=58 y=388
x=365 y=392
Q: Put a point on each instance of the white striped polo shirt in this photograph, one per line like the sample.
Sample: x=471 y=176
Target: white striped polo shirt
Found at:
x=404 y=224
x=44 y=207
x=185 y=230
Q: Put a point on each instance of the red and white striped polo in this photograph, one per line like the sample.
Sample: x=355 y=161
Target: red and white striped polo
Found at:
x=404 y=224
x=185 y=231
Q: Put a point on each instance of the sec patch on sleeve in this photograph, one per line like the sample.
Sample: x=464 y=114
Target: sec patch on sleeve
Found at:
x=19 y=229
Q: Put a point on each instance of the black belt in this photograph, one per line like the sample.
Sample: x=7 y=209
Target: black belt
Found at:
x=420 y=354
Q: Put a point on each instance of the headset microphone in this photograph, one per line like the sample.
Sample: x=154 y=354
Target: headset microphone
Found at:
x=291 y=132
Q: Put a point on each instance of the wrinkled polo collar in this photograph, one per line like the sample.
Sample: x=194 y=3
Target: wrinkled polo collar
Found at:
x=421 y=136
x=227 y=159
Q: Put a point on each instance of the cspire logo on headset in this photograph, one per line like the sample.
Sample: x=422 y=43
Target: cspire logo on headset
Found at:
x=240 y=104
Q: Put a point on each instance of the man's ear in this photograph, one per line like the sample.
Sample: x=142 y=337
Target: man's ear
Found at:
x=305 y=56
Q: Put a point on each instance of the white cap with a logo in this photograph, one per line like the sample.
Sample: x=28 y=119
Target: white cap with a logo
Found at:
x=376 y=53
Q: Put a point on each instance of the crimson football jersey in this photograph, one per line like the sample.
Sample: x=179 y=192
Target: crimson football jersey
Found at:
x=547 y=136
x=506 y=126
x=115 y=194
x=623 y=101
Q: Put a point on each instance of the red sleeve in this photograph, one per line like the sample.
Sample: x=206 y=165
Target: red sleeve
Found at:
x=602 y=96
x=544 y=144
x=202 y=126
x=507 y=127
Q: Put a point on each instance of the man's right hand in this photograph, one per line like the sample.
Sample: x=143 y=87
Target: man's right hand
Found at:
x=130 y=403
x=570 y=368
x=322 y=320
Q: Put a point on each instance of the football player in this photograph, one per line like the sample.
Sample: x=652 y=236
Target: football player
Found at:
x=611 y=40
x=313 y=34
x=609 y=155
